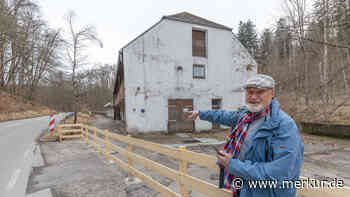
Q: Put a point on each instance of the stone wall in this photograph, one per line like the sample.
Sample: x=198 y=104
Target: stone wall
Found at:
x=333 y=130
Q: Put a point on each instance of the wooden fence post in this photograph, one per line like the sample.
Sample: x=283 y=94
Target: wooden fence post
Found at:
x=59 y=133
x=108 y=145
x=183 y=170
x=95 y=137
x=86 y=129
x=129 y=159
x=82 y=132
x=85 y=134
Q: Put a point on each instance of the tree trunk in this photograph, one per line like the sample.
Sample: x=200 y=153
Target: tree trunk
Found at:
x=75 y=110
x=346 y=71
x=324 y=74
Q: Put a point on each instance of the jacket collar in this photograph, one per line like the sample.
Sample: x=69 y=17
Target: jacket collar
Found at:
x=267 y=129
x=275 y=118
x=273 y=121
x=273 y=113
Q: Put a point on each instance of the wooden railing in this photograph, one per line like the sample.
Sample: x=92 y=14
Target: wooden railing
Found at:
x=69 y=131
x=91 y=135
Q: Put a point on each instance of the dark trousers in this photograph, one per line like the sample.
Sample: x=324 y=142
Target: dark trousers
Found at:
x=221 y=180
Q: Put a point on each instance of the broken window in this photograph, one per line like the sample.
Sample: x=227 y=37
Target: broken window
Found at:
x=198 y=71
x=198 y=43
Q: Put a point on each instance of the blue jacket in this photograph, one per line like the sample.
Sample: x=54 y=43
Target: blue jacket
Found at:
x=274 y=154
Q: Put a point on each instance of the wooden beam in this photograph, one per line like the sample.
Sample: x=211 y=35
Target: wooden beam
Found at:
x=148 y=180
x=100 y=141
x=108 y=146
x=59 y=129
x=161 y=169
x=95 y=136
x=70 y=136
x=189 y=181
x=182 y=176
x=97 y=130
x=183 y=170
x=129 y=151
x=72 y=131
x=100 y=149
x=199 y=159
x=189 y=156
x=172 y=152
x=325 y=192
x=90 y=135
x=205 y=187
x=69 y=125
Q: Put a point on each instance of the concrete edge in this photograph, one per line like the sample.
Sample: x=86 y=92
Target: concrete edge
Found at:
x=42 y=193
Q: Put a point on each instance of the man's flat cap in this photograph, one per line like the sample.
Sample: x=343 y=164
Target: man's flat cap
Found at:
x=260 y=81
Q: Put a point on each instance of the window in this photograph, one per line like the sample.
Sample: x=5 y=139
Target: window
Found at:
x=198 y=43
x=198 y=71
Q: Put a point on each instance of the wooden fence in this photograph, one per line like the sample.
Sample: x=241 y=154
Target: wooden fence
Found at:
x=91 y=135
x=69 y=131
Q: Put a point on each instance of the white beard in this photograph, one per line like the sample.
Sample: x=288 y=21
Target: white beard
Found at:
x=255 y=108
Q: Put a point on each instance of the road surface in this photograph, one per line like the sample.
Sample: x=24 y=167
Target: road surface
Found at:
x=17 y=145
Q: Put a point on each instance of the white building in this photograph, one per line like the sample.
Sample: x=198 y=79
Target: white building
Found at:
x=183 y=61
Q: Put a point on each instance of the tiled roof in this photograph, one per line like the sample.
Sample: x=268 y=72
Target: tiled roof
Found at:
x=190 y=18
x=187 y=18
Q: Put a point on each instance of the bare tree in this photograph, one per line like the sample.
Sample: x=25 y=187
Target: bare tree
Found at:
x=75 y=48
x=28 y=47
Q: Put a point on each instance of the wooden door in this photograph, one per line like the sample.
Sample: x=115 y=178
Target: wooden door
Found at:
x=177 y=121
x=216 y=104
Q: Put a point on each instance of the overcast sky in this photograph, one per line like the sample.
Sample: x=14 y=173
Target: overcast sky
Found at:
x=120 y=21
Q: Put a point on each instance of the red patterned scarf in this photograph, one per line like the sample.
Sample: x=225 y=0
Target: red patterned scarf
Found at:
x=236 y=140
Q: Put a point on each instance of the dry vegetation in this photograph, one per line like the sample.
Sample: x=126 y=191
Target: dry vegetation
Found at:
x=82 y=118
x=14 y=108
x=316 y=111
x=308 y=54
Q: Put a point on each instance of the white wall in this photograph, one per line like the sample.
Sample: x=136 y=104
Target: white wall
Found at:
x=150 y=64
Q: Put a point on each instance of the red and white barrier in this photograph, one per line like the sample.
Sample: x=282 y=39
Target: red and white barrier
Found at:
x=52 y=123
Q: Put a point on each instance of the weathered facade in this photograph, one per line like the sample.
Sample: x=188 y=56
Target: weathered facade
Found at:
x=183 y=61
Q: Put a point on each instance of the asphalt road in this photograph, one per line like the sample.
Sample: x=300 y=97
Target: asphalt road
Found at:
x=17 y=145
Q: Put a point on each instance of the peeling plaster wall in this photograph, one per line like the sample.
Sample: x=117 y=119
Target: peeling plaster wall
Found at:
x=152 y=77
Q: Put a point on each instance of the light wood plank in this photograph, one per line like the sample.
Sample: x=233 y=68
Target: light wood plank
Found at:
x=199 y=159
x=191 y=182
x=325 y=192
x=172 y=152
x=183 y=170
x=161 y=169
x=148 y=180
x=100 y=141
x=189 y=156
x=70 y=136
x=72 y=131
x=204 y=187
x=69 y=125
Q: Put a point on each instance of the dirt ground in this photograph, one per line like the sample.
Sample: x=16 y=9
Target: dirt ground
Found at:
x=75 y=169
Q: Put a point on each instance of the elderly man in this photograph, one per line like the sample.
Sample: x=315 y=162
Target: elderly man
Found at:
x=264 y=148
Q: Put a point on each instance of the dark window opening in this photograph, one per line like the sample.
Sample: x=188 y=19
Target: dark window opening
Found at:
x=198 y=43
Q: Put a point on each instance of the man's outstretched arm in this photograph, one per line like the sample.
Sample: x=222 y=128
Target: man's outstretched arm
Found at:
x=228 y=118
